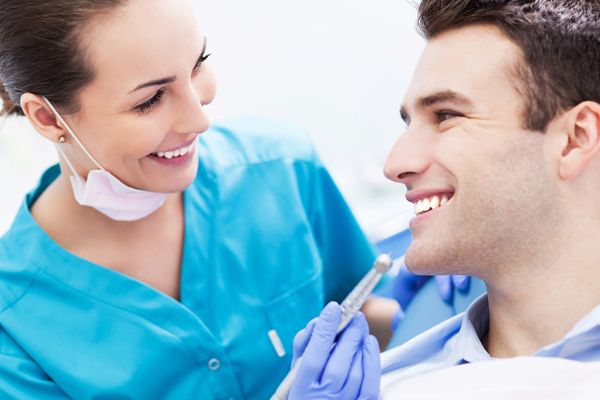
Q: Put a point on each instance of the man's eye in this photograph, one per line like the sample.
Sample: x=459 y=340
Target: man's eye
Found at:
x=446 y=115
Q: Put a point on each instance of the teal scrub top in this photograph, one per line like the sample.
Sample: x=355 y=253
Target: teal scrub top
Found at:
x=268 y=240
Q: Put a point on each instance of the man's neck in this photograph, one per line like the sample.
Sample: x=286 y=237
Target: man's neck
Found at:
x=541 y=304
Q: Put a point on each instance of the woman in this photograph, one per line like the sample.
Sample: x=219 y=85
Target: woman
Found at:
x=161 y=258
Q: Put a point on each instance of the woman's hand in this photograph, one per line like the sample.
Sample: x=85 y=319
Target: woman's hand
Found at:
x=347 y=368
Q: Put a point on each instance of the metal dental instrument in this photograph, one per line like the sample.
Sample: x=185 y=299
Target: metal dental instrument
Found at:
x=350 y=306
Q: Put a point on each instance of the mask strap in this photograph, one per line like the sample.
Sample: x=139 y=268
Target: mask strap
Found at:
x=62 y=153
x=68 y=128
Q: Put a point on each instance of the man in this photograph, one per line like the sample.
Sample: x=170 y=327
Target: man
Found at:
x=501 y=156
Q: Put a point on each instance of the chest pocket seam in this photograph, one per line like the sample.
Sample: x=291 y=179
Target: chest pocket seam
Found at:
x=290 y=312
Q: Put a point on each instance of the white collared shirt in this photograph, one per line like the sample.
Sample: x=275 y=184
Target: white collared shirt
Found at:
x=457 y=341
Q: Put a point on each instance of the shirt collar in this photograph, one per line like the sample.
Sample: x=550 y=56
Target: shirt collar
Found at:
x=580 y=343
x=466 y=346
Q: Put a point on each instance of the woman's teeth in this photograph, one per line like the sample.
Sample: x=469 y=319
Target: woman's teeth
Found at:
x=430 y=203
x=175 y=153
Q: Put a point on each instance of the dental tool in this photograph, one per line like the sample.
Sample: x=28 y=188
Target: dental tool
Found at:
x=350 y=306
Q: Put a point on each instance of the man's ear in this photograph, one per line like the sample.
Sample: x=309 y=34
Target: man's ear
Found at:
x=41 y=117
x=582 y=142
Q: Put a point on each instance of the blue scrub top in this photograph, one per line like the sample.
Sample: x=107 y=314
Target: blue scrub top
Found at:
x=268 y=240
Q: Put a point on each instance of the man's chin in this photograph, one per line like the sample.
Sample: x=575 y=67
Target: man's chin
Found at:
x=425 y=263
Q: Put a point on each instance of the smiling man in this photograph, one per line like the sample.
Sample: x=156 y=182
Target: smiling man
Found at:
x=501 y=156
x=503 y=119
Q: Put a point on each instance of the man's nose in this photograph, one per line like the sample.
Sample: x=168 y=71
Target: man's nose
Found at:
x=409 y=157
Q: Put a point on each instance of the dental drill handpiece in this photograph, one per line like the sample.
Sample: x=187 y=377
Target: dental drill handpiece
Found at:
x=350 y=306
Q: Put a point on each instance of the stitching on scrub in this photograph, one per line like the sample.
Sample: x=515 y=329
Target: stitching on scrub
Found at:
x=189 y=351
x=19 y=297
x=315 y=164
x=294 y=290
x=312 y=162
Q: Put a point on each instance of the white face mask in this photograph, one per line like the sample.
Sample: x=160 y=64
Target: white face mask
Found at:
x=104 y=192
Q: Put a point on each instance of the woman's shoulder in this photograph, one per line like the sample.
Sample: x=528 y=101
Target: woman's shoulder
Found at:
x=254 y=140
x=16 y=272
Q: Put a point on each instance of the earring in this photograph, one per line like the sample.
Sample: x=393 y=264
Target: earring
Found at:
x=62 y=139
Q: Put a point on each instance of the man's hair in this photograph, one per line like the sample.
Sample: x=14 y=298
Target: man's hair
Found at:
x=559 y=40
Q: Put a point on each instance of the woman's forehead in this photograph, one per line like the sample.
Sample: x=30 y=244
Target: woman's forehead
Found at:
x=143 y=41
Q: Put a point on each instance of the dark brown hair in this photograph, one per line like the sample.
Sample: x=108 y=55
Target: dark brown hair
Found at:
x=559 y=39
x=41 y=50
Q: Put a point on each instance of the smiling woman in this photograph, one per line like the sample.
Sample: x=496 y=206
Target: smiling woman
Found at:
x=162 y=257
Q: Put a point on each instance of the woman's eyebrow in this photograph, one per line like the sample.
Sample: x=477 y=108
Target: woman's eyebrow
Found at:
x=156 y=82
x=167 y=80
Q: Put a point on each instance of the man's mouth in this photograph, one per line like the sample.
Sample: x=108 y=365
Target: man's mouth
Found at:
x=431 y=203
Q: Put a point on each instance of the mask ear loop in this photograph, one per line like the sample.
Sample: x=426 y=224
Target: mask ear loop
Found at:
x=68 y=128
x=62 y=153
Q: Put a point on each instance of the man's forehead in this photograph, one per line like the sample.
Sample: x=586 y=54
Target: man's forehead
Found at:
x=469 y=61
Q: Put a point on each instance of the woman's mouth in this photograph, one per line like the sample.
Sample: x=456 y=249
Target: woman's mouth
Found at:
x=176 y=157
x=180 y=152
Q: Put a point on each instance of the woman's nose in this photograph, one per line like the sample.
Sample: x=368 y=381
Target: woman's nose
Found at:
x=192 y=113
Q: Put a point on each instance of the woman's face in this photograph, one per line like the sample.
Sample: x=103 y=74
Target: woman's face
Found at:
x=146 y=98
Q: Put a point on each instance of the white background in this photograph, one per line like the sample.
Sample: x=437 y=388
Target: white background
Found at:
x=337 y=68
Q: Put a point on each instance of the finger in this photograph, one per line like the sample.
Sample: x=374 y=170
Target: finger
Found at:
x=319 y=345
x=461 y=282
x=444 y=285
x=371 y=370
x=351 y=388
x=406 y=285
x=348 y=345
x=301 y=340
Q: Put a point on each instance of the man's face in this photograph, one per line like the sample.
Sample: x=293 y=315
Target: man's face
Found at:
x=481 y=183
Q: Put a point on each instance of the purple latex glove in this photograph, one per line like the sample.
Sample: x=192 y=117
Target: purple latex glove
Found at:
x=349 y=370
x=446 y=283
x=406 y=285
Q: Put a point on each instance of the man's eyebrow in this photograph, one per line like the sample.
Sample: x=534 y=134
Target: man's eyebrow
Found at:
x=169 y=79
x=446 y=96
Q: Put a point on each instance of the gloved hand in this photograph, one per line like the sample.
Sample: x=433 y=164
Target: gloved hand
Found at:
x=407 y=284
x=350 y=370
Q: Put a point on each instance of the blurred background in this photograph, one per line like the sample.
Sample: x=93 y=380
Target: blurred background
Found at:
x=337 y=68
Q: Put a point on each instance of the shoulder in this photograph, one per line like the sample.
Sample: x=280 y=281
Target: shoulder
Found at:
x=10 y=348
x=16 y=274
x=253 y=140
x=422 y=347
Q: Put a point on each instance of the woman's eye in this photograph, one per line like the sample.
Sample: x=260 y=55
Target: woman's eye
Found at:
x=150 y=104
x=201 y=60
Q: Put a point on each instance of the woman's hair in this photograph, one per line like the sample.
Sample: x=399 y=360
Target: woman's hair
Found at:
x=42 y=50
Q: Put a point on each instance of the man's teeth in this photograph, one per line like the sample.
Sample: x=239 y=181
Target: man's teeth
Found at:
x=175 y=153
x=430 y=203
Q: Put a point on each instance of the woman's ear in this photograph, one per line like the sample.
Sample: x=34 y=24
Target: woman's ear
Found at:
x=582 y=139
x=42 y=117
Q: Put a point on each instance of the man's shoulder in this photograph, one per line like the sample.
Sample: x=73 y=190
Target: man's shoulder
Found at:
x=409 y=358
x=254 y=140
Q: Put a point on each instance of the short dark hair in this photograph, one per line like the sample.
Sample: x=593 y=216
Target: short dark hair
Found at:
x=41 y=50
x=559 y=39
